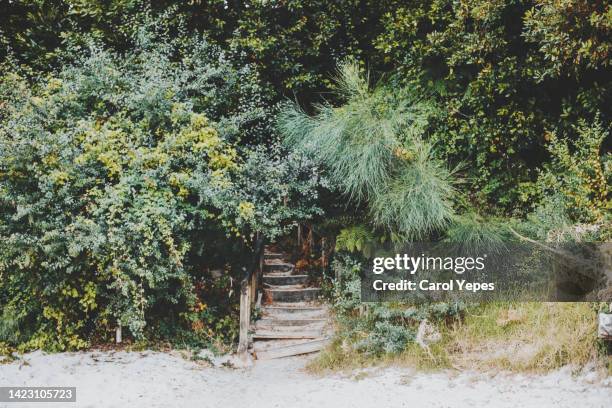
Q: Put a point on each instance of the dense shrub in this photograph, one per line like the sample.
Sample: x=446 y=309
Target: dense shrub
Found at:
x=118 y=176
x=381 y=328
x=507 y=73
x=136 y=158
x=579 y=174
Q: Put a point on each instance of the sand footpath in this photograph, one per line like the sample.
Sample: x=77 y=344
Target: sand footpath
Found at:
x=152 y=379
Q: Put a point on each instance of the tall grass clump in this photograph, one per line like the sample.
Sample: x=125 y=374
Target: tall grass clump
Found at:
x=524 y=337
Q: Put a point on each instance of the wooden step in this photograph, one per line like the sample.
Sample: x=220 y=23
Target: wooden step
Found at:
x=291 y=295
x=298 y=306
x=267 y=344
x=310 y=346
x=271 y=325
x=277 y=267
x=303 y=314
x=267 y=321
x=273 y=255
x=302 y=334
x=279 y=274
x=294 y=307
x=285 y=279
x=284 y=287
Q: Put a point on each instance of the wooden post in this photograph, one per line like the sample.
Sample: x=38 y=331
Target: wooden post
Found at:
x=118 y=334
x=299 y=236
x=245 y=317
x=253 y=294
x=323 y=252
x=310 y=239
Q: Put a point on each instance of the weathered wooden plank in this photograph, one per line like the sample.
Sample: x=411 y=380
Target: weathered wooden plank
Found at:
x=318 y=326
x=294 y=312
x=278 y=267
x=291 y=295
x=245 y=319
x=273 y=255
x=263 y=345
x=272 y=334
x=273 y=321
x=292 y=350
x=285 y=279
x=298 y=306
x=300 y=293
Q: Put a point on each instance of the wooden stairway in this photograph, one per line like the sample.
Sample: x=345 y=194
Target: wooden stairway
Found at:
x=293 y=321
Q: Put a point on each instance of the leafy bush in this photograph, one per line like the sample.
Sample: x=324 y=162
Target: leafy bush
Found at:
x=505 y=72
x=273 y=190
x=580 y=174
x=118 y=176
x=386 y=337
x=384 y=328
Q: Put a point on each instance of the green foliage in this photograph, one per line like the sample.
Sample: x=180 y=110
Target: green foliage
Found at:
x=386 y=337
x=375 y=154
x=357 y=238
x=581 y=173
x=35 y=31
x=346 y=293
x=384 y=328
x=273 y=191
x=471 y=231
x=135 y=156
x=118 y=176
x=573 y=190
x=505 y=73
x=572 y=35
x=298 y=43
x=294 y=43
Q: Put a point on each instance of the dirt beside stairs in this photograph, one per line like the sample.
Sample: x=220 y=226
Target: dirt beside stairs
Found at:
x=293 y=320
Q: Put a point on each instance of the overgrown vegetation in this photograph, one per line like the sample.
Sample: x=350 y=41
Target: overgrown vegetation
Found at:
x=523 y=337
x=144 y=144
x=125 y=180
x=532 y=337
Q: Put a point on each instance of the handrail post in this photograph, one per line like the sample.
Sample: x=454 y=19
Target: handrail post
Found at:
x=248 y=293
x=245 y=317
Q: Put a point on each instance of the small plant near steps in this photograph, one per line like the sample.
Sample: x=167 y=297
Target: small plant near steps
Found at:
x=293 y=321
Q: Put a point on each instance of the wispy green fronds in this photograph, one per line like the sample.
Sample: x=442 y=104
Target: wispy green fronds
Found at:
x=416 y=202
x=373 y=149
x=474 y=232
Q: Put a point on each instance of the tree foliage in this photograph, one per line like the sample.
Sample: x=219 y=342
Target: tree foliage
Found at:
x=375 y=152
x=506 y=72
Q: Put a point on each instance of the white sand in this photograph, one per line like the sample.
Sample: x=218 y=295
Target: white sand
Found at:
x=150 y=379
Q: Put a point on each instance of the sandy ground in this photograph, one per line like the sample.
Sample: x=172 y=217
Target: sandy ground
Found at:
x=150 y=379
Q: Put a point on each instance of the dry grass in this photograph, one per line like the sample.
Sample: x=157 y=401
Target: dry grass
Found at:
x=524 y=337
x=520 y=337
x=337 y=357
